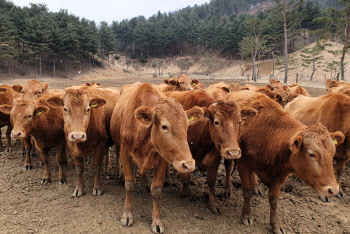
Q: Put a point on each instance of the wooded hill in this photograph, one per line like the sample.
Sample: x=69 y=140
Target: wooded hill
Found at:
x=235 y=29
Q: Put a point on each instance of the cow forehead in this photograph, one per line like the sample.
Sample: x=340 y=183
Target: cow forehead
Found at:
x=23 y=106
x=184 y=79
x=75 y=98
x=225 y=109
x=169 y=109
x=317 y=137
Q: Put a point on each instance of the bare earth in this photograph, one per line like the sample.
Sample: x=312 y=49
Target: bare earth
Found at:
x=29 y=207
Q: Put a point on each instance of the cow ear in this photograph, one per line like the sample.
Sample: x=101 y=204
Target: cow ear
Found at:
x=97 y=102
x=166 y=81
x=17 y=88
x=173 y=81
x=88 y=84
x=248 y=113
x=144 y=115
x=6 y=109
x=3 y=90
x=54 y=101
x=194 y=114
x=206 y=112
x=296 y=142
x=337 y=137
x=269 y=87
x=278 y=98
x=44 y=86
x=41 y=110
x=227 y=90
x=195 y=82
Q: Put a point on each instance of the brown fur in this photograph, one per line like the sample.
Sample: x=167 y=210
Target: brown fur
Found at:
x=333 y=83
x=181 y=83
x=33 y=89
x=137 y=130
x=274 y=145
x=218 y=91
x=333 y=111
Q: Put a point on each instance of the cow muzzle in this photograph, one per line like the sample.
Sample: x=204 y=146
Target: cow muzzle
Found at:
x=231 y=153
x=77 y=137
x=330 y=191
x=184 y=166
x=17 y=134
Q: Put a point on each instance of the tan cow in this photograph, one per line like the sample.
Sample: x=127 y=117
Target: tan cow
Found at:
x=218 y=91
x=212 y=137
x=86 y=113
x=150 y=130
x=7 y=94
x=333 y=83
x=33 y=89
x=275 y=145
x=44 y=125
x=181 y=83
x=276 y=84
x=332 y=111
x=296 y=90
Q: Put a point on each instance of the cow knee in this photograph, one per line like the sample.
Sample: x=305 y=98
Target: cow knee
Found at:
x=129 y=186
x=156 y=193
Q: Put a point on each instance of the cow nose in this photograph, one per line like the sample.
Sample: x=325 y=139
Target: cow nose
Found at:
x=15 y=134
x=184 y=166
x=190 y=88
x=77 y=136
x=231 y=153
x=330 y=190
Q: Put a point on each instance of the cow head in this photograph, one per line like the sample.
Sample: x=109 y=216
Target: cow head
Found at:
x=33 y=89
x=276 y=84
x=77 y=107
x=283 y=97
x=224 y=122
x=312 y=158
x=168 y=123
x=23 y=116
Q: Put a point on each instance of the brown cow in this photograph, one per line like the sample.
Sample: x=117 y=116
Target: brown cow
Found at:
x=212 y=137
x=333 y=83
x=33 y=89
x=150 y=130
x=296 y=90
x=234 y=87
x=218 y=91
x=86 y=113
x=7 y=94
x=44 y=125
x=275 y=145
x=344 y=88
x=276 y=84
x=181 y=83
x=332 y=111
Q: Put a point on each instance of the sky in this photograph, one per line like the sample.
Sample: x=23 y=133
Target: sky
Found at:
x=113 y=10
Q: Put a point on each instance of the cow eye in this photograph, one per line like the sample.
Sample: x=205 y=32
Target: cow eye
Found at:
x=181 y=82
x=22 y=92
x=65 y=109
x=311 y=153
x=240 y=121
x=29 y=116
x=164 y=128
x=88 y=109
x=39 y=93
x=216 y=123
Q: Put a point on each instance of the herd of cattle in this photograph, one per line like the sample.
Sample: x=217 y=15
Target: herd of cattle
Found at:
x=270 y=132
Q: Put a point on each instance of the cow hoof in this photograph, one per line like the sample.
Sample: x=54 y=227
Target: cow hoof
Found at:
x=340 y=194
x=97 y=192
x=157 y=226
x=23 y=154
x=216 y=210
x=324 y=199
x=45 y=181
x=127 y=219
x=228 y=193
x=278 y=230
x=62 y=181
x=78 y=192
x=28 y=167
x=247 y=221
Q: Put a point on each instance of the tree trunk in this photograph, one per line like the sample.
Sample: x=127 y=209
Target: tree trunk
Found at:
x=254 y=69
x=101 y=57
x=313 y=70
x=345 y=48
x=273 y=64
x=54 y=67
x=285 y=47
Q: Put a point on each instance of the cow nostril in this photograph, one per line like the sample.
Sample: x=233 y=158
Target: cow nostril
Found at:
x=19 y=133
x=330 y=191
x=185 y=166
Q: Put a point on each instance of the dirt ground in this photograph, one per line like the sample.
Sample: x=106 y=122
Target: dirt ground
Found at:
x=27 y=206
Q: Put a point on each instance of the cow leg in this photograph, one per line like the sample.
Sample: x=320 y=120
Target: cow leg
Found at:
x=28 y=148
x=273 y=199
x=256 y=184
x=108 y=159
x=211 y=179
x=186 y=181
x=1 y=146
x=79 y=167
x=61 y=158
x=156 y=190
x=339 y=167
x=228 y=186
x=96 y=166
x=47 y=175
x=245 y=174
x=127 y=218
x=8 y=137
x=23 y=148
x=144 y=184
